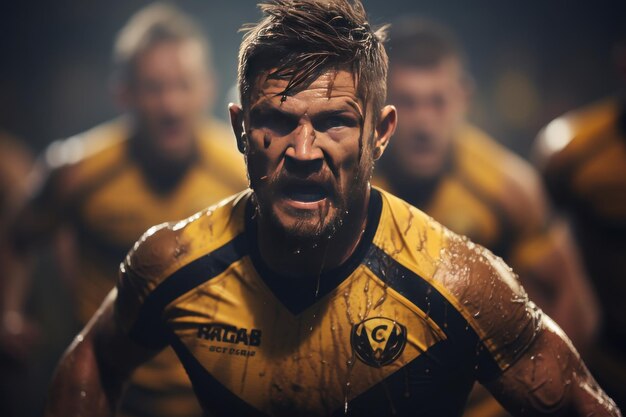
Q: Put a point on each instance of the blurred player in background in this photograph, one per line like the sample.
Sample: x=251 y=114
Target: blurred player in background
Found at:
x=163 y=160
x=453 y=171
x=16 y=334
x=583 y=158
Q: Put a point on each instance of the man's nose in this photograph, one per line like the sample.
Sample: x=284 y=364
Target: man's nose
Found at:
x=303 y=155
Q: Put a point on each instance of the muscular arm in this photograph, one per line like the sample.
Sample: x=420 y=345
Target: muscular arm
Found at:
x=90 y=377
x=551 y=380
x=539 y=372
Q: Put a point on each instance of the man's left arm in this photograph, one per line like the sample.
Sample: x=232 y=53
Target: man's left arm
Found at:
x=538 y=371
x=550 y=379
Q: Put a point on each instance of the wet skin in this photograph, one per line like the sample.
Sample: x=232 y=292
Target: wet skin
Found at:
x=310 y=159
x=548 y=379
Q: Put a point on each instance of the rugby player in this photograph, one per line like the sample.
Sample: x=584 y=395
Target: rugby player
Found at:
x=464 y=179
x=164 y=159
x=582 y=155
x=313 y=293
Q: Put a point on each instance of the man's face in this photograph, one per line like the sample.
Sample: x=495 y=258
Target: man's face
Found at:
x=431 y=103
x=168 y=93
x=309 y=155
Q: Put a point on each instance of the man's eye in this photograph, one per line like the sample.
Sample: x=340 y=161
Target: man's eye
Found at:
x=333 y=122
x=281 y=124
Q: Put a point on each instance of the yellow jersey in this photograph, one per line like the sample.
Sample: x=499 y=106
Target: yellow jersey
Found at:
x=97 y=187
x=484 y=193
x=404 y=327
x=584 y=164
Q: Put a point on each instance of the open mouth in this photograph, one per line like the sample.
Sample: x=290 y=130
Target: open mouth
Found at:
x=305 y=193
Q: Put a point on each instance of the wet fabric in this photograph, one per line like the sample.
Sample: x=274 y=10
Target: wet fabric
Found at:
x=479 y=194
x=404 y=327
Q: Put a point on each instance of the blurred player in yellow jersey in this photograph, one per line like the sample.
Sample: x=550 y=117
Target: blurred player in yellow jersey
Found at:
x=163 y=160
x=313 y=293
x=583 y=159
x=464 y=179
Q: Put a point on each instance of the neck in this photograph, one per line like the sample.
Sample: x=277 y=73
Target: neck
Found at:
x=161 y=173
x=291 y=257
x=417 y=191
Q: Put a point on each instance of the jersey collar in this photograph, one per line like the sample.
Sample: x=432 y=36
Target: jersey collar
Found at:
x=288 y=290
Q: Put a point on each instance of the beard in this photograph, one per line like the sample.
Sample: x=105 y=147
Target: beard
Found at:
x=310 y=228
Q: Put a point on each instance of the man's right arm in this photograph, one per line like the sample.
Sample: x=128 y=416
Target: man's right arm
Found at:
x=90 y=377
x=124 y=333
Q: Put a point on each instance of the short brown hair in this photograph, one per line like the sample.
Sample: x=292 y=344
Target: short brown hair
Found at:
x=299 y=40
x=152 y=25
x=422 y=43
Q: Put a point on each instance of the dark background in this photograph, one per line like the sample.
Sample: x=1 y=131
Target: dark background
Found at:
x=532 y=60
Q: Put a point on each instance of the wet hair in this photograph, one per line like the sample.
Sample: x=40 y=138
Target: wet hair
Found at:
x=422 y=43
x=299 y=40
x=152 y=25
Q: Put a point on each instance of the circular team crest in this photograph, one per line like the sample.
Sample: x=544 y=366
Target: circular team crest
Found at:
x=378 y=341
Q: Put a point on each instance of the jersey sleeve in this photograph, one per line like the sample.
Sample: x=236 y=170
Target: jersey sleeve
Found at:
x=494 y=304
x=137 y=308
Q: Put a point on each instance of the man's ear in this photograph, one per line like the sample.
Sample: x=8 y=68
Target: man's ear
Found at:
x=385 y=127
x=236 y=121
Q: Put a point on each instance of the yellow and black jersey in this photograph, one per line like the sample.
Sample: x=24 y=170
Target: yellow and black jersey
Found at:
x=404 y=327
x=584 y=163
x=493 y=197
x=485 y=193
x=98 y=189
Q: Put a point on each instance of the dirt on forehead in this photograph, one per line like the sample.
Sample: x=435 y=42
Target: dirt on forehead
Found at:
x=330 y=81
